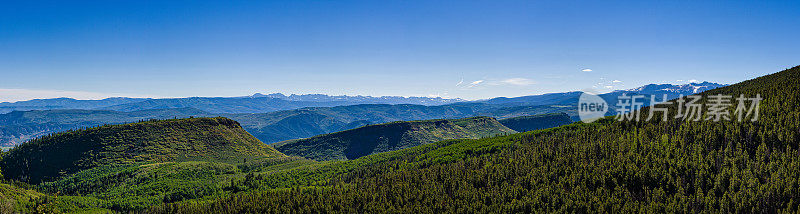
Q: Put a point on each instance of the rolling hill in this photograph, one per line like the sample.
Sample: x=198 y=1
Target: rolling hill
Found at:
x=49 y=157
x=355 y=143
x=20 y=126
x=536 y=122
x=307 y=122
x=605 y=166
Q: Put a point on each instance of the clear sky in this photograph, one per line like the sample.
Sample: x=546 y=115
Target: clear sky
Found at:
x=466 y=49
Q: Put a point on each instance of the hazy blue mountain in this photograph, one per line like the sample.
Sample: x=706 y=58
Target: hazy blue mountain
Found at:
x=260 y=103
x=363 y=99
x=64 y=103
x=257 y=103
x=544 y=99
x=223 y=104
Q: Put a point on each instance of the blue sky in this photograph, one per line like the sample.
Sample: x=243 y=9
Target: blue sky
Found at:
x=466 y=49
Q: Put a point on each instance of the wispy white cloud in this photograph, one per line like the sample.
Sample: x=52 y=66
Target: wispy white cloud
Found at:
x=616 y=81
x=460 y=82
x=608 y=86
x=693 y=81
x=475 y=83
x=517 y=81
x=587 y=70
x=13 y=95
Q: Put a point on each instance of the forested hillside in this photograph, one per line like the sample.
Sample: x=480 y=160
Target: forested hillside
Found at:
x=606 y=166
x=54 y=155
x=12 y=197
x=355 y=143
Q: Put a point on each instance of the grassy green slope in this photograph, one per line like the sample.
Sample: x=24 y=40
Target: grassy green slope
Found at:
x=355 y=143
x=13 y=199
x=606 y=166
x=59 y=154
x=139 y=186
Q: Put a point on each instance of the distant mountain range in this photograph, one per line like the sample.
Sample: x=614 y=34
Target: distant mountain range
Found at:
x=675 y=90
x=276 y=117
x=261 y=103
x=362 y=99
x=65 y=103
x=257 y=103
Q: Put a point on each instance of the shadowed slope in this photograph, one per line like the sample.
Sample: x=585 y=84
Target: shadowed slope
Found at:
x=352 y=144
x=535 y=122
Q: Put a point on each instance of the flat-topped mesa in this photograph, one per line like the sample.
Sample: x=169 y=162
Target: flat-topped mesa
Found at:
x=48 y=157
